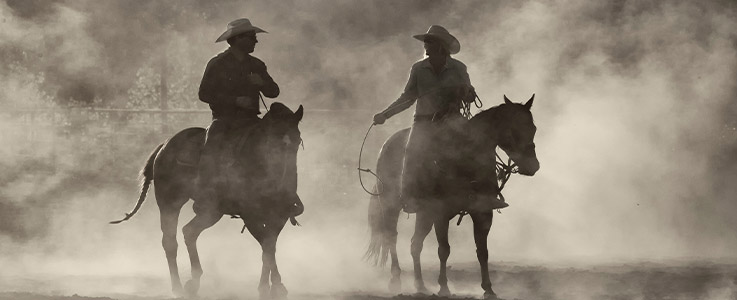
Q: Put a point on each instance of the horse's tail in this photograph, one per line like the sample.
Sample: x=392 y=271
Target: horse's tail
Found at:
x=147 y=175
x=382 y=219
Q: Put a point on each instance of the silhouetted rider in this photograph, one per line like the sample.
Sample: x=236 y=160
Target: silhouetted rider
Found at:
x=231 y=85
x=439 y=84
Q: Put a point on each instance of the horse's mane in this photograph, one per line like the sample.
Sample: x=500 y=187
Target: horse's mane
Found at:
x=277 y=109
x=487 y=119
x=249 y=142
x=494 y=115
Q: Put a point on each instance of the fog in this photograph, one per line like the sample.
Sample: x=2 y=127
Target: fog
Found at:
x=635 y=109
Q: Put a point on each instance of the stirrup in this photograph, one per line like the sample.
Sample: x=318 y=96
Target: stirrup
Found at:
x=486 y=205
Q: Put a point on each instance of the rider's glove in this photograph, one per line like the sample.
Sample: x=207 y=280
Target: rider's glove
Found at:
x=379 y=119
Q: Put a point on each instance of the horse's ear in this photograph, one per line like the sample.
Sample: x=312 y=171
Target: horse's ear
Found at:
x=528 y=105
x=299 y=113
x=506 y=100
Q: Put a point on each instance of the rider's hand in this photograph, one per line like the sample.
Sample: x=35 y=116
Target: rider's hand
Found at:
x=467 y=94
x=379 y=119
x=246 y=102
x=255 y=79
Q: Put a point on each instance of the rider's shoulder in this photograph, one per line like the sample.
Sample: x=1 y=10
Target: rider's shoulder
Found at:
x=420 y=63
x=456 y=63
x=221 y=58
x=256 y=61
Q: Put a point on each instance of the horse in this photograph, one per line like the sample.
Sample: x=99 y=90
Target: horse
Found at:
x=262 y=174
x=472 y=160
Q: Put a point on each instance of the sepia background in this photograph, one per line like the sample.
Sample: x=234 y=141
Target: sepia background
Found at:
x=636 y=109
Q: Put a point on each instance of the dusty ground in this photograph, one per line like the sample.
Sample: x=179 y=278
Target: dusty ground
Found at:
x=642 y=281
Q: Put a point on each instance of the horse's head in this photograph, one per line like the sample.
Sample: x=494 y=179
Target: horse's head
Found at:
x=282 y=142
x=515 y=133
x=282 y=127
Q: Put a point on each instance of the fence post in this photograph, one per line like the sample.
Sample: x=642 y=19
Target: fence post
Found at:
x=164 y=93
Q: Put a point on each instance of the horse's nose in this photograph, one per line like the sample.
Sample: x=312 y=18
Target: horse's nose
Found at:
x=531 y=168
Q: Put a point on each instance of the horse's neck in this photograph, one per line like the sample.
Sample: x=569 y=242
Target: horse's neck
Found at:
x=252 y=145
x=479 y=137
x=476 y=147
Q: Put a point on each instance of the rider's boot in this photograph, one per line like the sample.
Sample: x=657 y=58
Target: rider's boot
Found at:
x=487 y=203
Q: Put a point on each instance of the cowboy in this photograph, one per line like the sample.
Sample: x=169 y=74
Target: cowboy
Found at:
x=231 y=86
x=439 y=84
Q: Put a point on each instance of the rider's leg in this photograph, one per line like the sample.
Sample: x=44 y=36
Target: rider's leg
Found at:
x=416 y=155
x=208 y=167
x=408 y=189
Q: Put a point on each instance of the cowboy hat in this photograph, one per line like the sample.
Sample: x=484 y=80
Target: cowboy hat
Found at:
x=439 y=32
x=238 y=27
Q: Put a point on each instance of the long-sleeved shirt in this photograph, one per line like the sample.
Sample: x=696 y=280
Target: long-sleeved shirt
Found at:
x=225 y=79
x=433 y=92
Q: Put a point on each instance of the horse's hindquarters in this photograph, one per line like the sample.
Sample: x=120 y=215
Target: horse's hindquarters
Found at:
x=170 y=174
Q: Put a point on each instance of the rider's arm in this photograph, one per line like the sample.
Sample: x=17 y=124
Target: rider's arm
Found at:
x=408 y=97
x=270 y=89
x=469 y=91
x=211 y=90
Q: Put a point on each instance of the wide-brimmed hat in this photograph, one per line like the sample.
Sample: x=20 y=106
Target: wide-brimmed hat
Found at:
x=238 y=27
x=444 y=36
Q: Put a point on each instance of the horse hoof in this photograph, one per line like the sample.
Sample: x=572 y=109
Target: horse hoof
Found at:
x=178 y=292
x=422 y=290
x=191 y=288
x=278 y=291
x=444 y=292
x=263 y=292
x=490 y=295
x=395 y=286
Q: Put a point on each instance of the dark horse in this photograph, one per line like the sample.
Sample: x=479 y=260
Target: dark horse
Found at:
x=262 y=176
x=471 y=161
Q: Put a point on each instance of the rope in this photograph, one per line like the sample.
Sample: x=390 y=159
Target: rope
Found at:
x=478 y=102
x=466 y=107
x=435 y=90
x=360 y=154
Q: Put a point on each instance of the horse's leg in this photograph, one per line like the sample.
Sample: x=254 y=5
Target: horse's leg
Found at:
x=266 y=235
x=481 y=227
x=278 y=290
x=201 y=221
x=441 y=232
x=390 y=215
x=170 y=198
x=395 y=284
x=169 y=220
x=423 y=225
x=258 y=231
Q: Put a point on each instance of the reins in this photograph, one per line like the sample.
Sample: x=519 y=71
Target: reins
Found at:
x=264 y=102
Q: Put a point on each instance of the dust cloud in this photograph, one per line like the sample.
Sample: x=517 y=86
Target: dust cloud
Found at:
x=635 y=109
